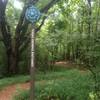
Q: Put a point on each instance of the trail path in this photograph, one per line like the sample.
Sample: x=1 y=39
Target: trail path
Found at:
x=8 y=92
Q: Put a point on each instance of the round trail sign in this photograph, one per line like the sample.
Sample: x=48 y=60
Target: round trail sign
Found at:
x=32 y=14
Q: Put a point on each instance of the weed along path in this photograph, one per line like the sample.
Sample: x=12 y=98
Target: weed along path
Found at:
x=8 y=92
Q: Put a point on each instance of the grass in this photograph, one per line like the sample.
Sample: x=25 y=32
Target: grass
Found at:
x=61 y=85
x=13 y=80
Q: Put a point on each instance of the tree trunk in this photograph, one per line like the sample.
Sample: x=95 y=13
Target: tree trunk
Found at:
x=12 y=62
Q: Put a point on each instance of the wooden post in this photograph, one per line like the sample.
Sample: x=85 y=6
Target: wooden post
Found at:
x=32 y=69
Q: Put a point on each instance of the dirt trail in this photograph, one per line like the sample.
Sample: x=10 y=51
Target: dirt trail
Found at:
x=70 y=65
x=66 y=64
x=8 y=92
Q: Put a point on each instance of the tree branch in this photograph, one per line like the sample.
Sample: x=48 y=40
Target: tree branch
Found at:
x=4 y=26
x=43 y=10
x=24 y=44
x=42 y=23
x=49 y=5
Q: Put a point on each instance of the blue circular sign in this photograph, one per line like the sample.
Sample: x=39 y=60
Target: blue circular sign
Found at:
x=32 y=14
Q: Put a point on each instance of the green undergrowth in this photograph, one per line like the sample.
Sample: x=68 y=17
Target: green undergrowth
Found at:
x=13 y=80
x=65 y=85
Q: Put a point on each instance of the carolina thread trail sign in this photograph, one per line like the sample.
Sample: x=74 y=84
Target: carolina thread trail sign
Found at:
x=32 y=15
